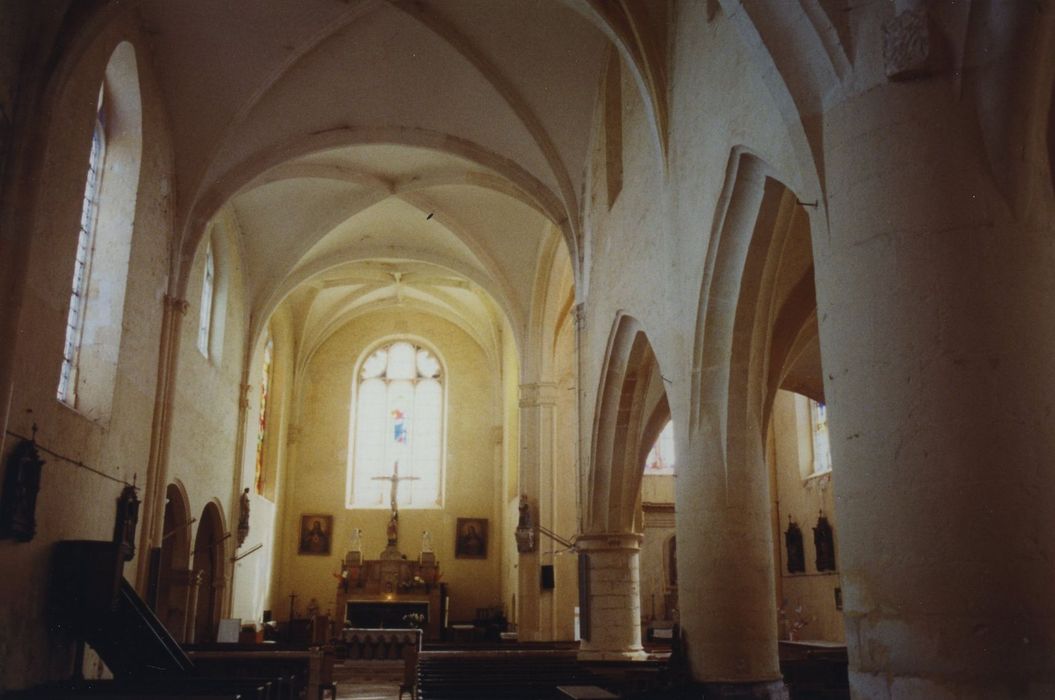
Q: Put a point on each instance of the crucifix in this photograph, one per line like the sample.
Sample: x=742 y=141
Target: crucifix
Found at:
x=393 y=522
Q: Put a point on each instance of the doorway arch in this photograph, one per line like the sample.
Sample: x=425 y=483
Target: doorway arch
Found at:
x=173 y=572
x=208 y=569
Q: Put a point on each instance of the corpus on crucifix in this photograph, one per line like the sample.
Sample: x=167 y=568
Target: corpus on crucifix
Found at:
x=393 y=522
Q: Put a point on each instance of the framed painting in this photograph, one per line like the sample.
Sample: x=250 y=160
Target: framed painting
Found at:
x=470 y=538
x=316 y=531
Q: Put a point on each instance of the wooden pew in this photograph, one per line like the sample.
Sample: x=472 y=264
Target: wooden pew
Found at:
x=513 y=675
x=308 y=671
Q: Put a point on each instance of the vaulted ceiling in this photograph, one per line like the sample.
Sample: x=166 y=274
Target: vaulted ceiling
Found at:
x=437 y=144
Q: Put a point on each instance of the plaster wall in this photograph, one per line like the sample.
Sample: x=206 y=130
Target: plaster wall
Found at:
x=565 y=497
x=657 y=529
x=120 y=446
x=316 y=479
x=509 y=448
x=205 y=401
x=802 y=499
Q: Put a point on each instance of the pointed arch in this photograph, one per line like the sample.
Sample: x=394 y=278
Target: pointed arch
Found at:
x=173 y=576
x=631 y=401
x=209 y=559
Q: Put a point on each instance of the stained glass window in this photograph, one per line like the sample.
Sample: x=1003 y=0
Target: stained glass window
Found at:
x=82 y=263
x=397 y=429
x=822 y=449
x=660 y=458
x=205 y=314
x=261 y=439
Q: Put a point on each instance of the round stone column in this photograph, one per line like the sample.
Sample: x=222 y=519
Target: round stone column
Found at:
x=613 y=582
x=936 y=302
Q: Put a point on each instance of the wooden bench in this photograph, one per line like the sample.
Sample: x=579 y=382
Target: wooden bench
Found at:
x=308 y=671
x=514 y=674
x=157 y=687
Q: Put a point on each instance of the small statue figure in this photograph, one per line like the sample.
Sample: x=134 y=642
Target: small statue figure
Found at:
x=126 y=521
x=313 y=609
x=393 y=529
x=525 y=533
x=426 y=541
x=525 y=513
x=243 y=517
x=357 y=540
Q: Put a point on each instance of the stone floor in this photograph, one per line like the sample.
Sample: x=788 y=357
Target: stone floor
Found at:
x=374 y=680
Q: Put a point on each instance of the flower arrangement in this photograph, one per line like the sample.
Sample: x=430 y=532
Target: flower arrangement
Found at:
x=410 y=583
x=793 y=622
x=414 y=619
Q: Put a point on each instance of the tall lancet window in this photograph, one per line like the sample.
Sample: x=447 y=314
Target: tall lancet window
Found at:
x=205 y=312
x=822 y=448
x=397 y=429
x=261 y=438
x=82 y=263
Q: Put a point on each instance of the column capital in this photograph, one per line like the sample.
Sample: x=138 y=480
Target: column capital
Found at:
x=176 y=304
x=609 y=542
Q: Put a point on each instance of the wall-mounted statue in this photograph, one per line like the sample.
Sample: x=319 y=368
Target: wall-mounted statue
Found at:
x=243 y=517
x=525 y=534
x=126 y=521
x=824 y=542
x=18 y=505
x=796 y=554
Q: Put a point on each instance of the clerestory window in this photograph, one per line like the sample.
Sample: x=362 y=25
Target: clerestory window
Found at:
x=822 y=449
x=82 y=264
x=205 y=312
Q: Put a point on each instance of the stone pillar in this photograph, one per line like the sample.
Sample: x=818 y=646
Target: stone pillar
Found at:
x=935 y=302
x=538 y=405
x=614 y=596
x=727 y=582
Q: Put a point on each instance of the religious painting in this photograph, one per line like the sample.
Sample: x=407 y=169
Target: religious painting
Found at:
x=316 y=531
x=470 y=539
x=824 y=542
x=796 y=555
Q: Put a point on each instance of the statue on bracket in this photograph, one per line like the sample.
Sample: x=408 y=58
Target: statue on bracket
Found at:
x=525 y=533
x=126 y=521
x=243 y=517
x=824 y=542
x=793 y=542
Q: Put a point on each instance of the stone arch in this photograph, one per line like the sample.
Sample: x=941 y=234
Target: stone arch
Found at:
x=631 y=396
x=751 y=322
x=209 y=559
x=173 y=569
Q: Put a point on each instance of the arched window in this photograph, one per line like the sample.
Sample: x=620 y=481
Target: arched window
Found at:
x=822 y=449
x=94 y=320
x=660 y=460
x=397 y=426
x=261 y=436
x=205 y=312
x=85 y=247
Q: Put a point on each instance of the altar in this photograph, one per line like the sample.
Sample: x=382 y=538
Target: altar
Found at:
x=387 y=594
x=392 y=592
